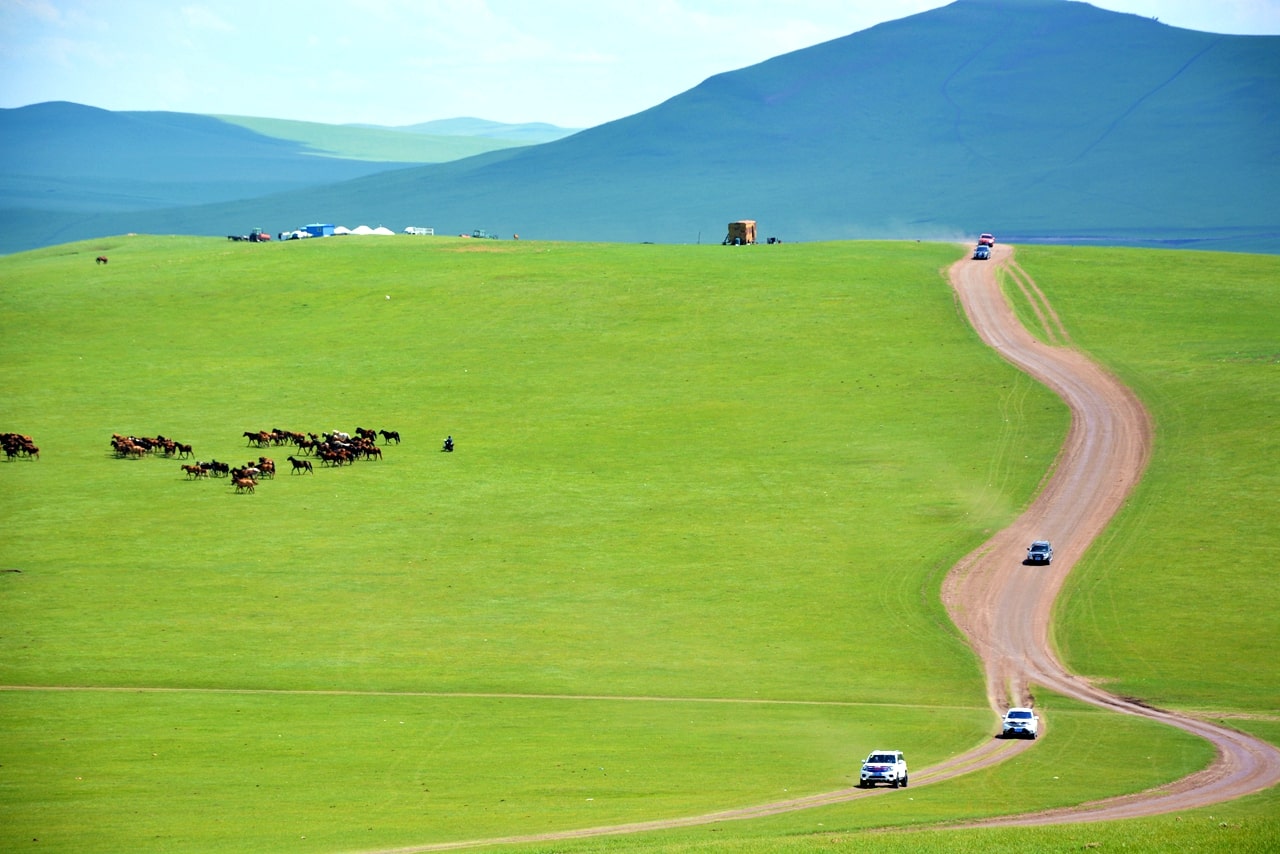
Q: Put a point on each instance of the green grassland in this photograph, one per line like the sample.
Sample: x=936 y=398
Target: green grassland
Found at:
x=1194 y=556
x=686 y=556
x=377 y=144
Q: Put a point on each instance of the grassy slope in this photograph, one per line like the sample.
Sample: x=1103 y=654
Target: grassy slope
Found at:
x=632 y=405
x=682 y=471
x=377 y=144
x=1194 y=556
x=1195 y=335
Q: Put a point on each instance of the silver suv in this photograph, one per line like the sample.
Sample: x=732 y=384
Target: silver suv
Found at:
x=884 y=766
x=1020 y=721
x=1040 y=552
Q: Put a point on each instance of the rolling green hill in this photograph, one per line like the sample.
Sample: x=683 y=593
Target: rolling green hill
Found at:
x=431 y=142
x=700 y=506
x=66 y=164
x=63 y=157
x=1041 y=120
x=528 y=133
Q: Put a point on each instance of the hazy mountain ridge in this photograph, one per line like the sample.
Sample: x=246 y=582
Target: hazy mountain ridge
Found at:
x=527 y=133
x=1038 y=119
x=68 y=156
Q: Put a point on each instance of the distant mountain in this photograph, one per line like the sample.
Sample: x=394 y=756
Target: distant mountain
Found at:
x=531 y=133
x=69 y=157
x=413 y=144
x=1039 y=120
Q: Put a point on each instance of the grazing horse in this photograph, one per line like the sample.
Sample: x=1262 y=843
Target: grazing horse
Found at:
x=388 y=435
x=301 y=465
x=102 y=259
x=244 y=484
x=215 y=468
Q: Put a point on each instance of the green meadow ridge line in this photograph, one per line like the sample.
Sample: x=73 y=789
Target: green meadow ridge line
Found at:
x=463 y=695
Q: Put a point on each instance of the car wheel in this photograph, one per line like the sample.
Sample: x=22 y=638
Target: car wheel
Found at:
x=894 y=784
x=904 y=781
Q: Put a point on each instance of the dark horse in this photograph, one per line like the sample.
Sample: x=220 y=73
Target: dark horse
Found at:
x=389 y=435
x=301 y=465
x=102 y=259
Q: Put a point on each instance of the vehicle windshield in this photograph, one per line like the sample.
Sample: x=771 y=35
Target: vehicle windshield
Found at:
x=883 y=757
x=1020 y=715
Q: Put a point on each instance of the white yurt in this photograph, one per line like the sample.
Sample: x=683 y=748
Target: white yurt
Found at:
x=382 y=229
x=362 y=229
x=341 y=229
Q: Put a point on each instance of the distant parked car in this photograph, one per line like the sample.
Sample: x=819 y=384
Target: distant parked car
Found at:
x=1040 y=552
x=1020 y=722
x=884 y=766
x=982 y=252
x=986 y=240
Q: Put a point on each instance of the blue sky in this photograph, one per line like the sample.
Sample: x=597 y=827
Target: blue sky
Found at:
x=575 y=63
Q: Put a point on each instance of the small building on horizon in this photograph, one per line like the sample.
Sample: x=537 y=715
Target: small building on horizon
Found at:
x=317 y=229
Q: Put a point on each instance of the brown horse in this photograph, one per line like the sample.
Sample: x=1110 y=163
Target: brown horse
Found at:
x=102 y=259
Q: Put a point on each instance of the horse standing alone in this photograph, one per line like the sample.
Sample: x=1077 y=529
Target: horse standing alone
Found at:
x=102 y=259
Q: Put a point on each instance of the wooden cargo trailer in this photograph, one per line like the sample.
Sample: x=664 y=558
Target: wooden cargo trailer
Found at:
x=741 y=233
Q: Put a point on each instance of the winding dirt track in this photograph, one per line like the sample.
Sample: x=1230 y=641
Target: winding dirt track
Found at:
x=1004 y=607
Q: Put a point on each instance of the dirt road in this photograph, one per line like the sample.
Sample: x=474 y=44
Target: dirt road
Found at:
x=1004 y=607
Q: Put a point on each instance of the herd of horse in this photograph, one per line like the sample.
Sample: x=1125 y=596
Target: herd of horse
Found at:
x=336 y=448
x=137 y=447
x=17 y=445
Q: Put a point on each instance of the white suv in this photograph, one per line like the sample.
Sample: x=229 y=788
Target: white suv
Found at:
x=884 y=766
x=1020 y=721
